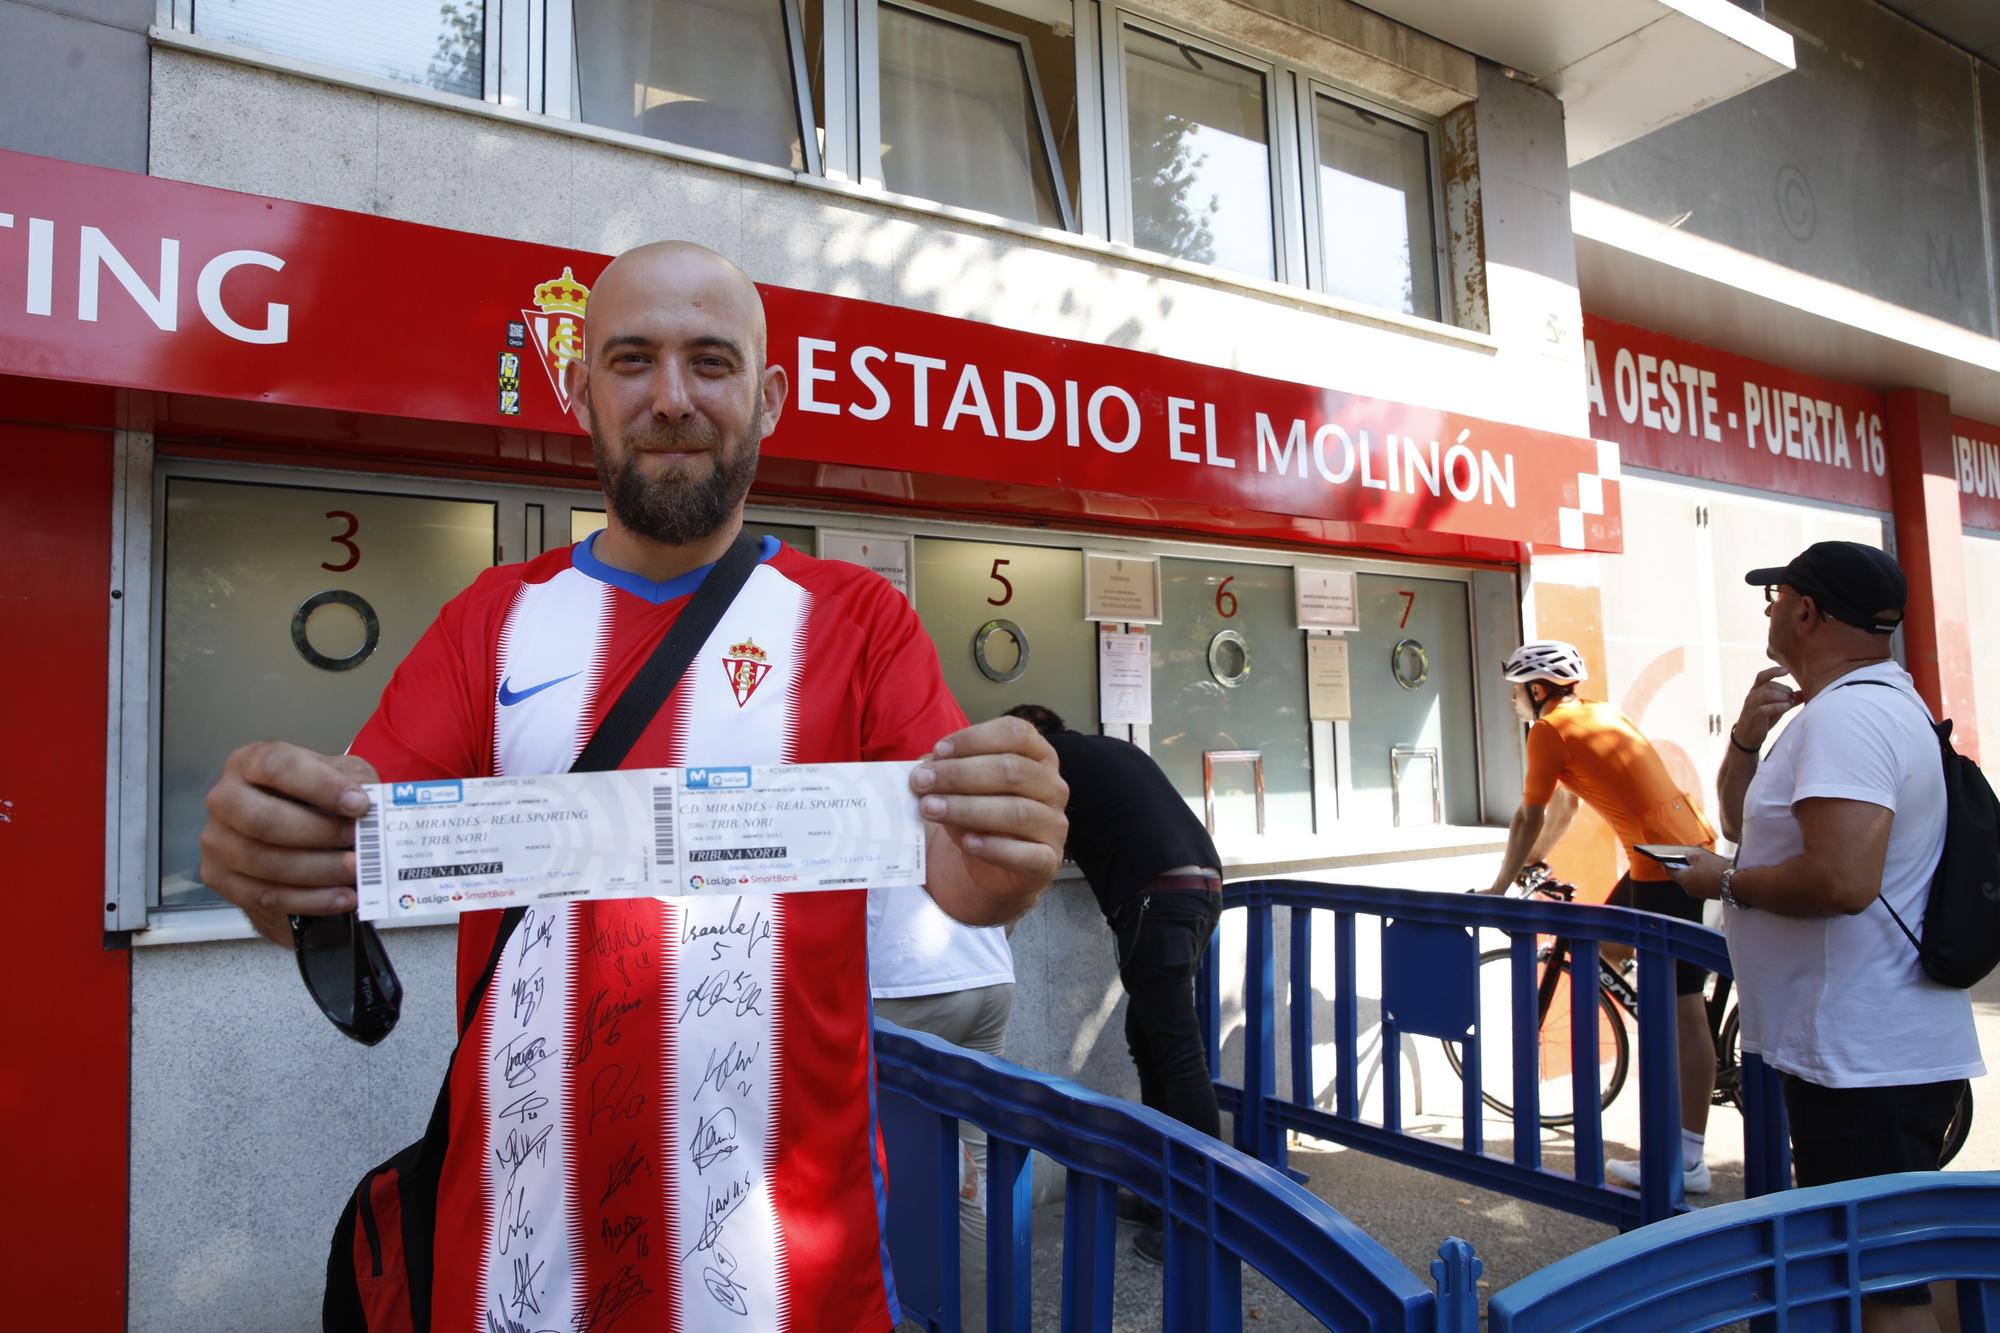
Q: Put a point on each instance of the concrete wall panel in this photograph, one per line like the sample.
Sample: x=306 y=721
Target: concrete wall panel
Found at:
x=75 y=89
x=236 y=139
x=1859 y=168
x=131 y=15
x=252 y=1119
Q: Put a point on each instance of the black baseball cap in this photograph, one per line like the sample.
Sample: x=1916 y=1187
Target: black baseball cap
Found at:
x=1857 y=584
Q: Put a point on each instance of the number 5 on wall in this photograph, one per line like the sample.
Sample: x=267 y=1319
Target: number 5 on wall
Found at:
x=1007 y=595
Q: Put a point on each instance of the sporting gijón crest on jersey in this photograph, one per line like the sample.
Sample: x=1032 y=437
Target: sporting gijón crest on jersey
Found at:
x=662 y=1117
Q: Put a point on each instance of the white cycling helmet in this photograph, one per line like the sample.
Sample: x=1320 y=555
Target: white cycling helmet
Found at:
x=1545 y=659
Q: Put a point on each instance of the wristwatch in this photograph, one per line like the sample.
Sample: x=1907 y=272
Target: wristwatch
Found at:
x=1728 y=898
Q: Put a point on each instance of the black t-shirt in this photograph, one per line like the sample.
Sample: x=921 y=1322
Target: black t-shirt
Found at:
x=1127 y=824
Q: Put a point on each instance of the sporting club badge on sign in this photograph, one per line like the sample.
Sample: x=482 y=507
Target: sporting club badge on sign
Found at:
x=460 y=845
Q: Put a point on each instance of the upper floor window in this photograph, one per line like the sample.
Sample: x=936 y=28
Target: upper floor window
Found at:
x=962 y=113
x=1197 y=139
x=1131 y=131
x=441 y=44
x=724 y=75
x=1377 y=234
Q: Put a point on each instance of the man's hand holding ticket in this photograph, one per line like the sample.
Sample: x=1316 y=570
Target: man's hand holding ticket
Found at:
x=458 y=845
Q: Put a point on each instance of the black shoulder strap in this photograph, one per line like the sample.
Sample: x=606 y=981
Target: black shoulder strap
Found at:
x=1898 y=916
x=633 y=712
x=634 y=709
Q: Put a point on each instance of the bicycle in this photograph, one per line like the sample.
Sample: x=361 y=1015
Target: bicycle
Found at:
x=1617 y=1001
x=1616 y=998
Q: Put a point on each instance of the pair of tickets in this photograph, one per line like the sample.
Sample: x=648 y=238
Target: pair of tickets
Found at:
x=460 y=845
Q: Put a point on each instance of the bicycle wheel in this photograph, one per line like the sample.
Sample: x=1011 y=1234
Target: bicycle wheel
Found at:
x=1496 y=1049
x=1728 y=1063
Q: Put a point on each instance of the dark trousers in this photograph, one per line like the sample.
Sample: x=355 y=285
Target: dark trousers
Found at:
x=1161 y=938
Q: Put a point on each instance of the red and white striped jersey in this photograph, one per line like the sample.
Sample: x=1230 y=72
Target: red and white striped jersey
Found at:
x=663 y=1114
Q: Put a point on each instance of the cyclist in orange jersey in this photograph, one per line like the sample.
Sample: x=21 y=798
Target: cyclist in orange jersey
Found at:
x=1580 y=749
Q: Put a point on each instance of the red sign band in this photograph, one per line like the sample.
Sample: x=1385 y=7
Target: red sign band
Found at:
x=110 y=278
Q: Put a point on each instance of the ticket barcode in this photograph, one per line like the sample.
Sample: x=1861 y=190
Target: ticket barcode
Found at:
x=368 y=850
x=663 y=826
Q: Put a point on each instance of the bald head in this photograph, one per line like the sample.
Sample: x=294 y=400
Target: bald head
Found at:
x=665 y=276
x=675 y=393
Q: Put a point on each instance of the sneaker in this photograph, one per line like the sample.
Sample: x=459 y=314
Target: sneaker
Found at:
x=1151 y=1245
x=1694 y=1180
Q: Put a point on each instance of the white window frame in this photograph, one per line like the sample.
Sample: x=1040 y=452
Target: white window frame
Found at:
x=178 y=16
x=868 y=42
x=1311 y=87
x=1280 y=129
x=552 y=55
x=529 y=53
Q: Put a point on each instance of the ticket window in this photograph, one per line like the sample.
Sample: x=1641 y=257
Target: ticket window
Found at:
x=283 y=612
x=1008 y=624
x=1982 y=602
x=583 y=522
x=1229 y=673
x=1411 y=747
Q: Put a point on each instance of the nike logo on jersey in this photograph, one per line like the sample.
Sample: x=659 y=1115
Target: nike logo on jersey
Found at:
x=510 y=697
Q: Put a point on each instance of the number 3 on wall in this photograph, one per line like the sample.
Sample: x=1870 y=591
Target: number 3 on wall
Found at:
x=1007 y=593
x=344 y=539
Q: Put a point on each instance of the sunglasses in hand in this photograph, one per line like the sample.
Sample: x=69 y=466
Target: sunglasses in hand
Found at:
x=348 y=974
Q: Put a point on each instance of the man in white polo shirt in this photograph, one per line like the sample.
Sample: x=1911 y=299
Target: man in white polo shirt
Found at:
x=1848 y=807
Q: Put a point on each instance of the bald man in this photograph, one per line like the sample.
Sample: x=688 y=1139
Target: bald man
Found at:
x=662 y=1113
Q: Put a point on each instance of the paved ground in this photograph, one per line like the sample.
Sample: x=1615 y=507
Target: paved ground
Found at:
x=1411 y=1211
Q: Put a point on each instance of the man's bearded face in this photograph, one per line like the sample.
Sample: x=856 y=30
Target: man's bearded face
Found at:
x=680 y=502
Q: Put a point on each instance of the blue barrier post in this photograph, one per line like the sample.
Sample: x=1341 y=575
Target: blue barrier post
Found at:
x=1525 y=1018
x=1010 y=1204
x=1586 y=1089
x=1659 y=1081
x=1456 y=1271
x=1254 y=1132
x=1090 y=1251
x=1300 y=1009
x=1346 y=1021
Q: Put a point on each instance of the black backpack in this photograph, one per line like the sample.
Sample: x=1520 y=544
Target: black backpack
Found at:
x=1961 y=942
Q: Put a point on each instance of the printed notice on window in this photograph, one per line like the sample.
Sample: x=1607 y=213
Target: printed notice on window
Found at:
x=462 y=845
x=1125 y=678
x=881 y=553
x=1326 y=598
x=1327 y=695
x=1121 y=588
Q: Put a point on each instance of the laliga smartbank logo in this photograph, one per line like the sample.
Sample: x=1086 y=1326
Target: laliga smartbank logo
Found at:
x=426 y=793
x=717 y=779
x=696 y=882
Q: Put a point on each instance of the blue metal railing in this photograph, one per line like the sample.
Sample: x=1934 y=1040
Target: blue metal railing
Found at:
x=1798 y=1260
x=1223 y=1209
x=1430 y=986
